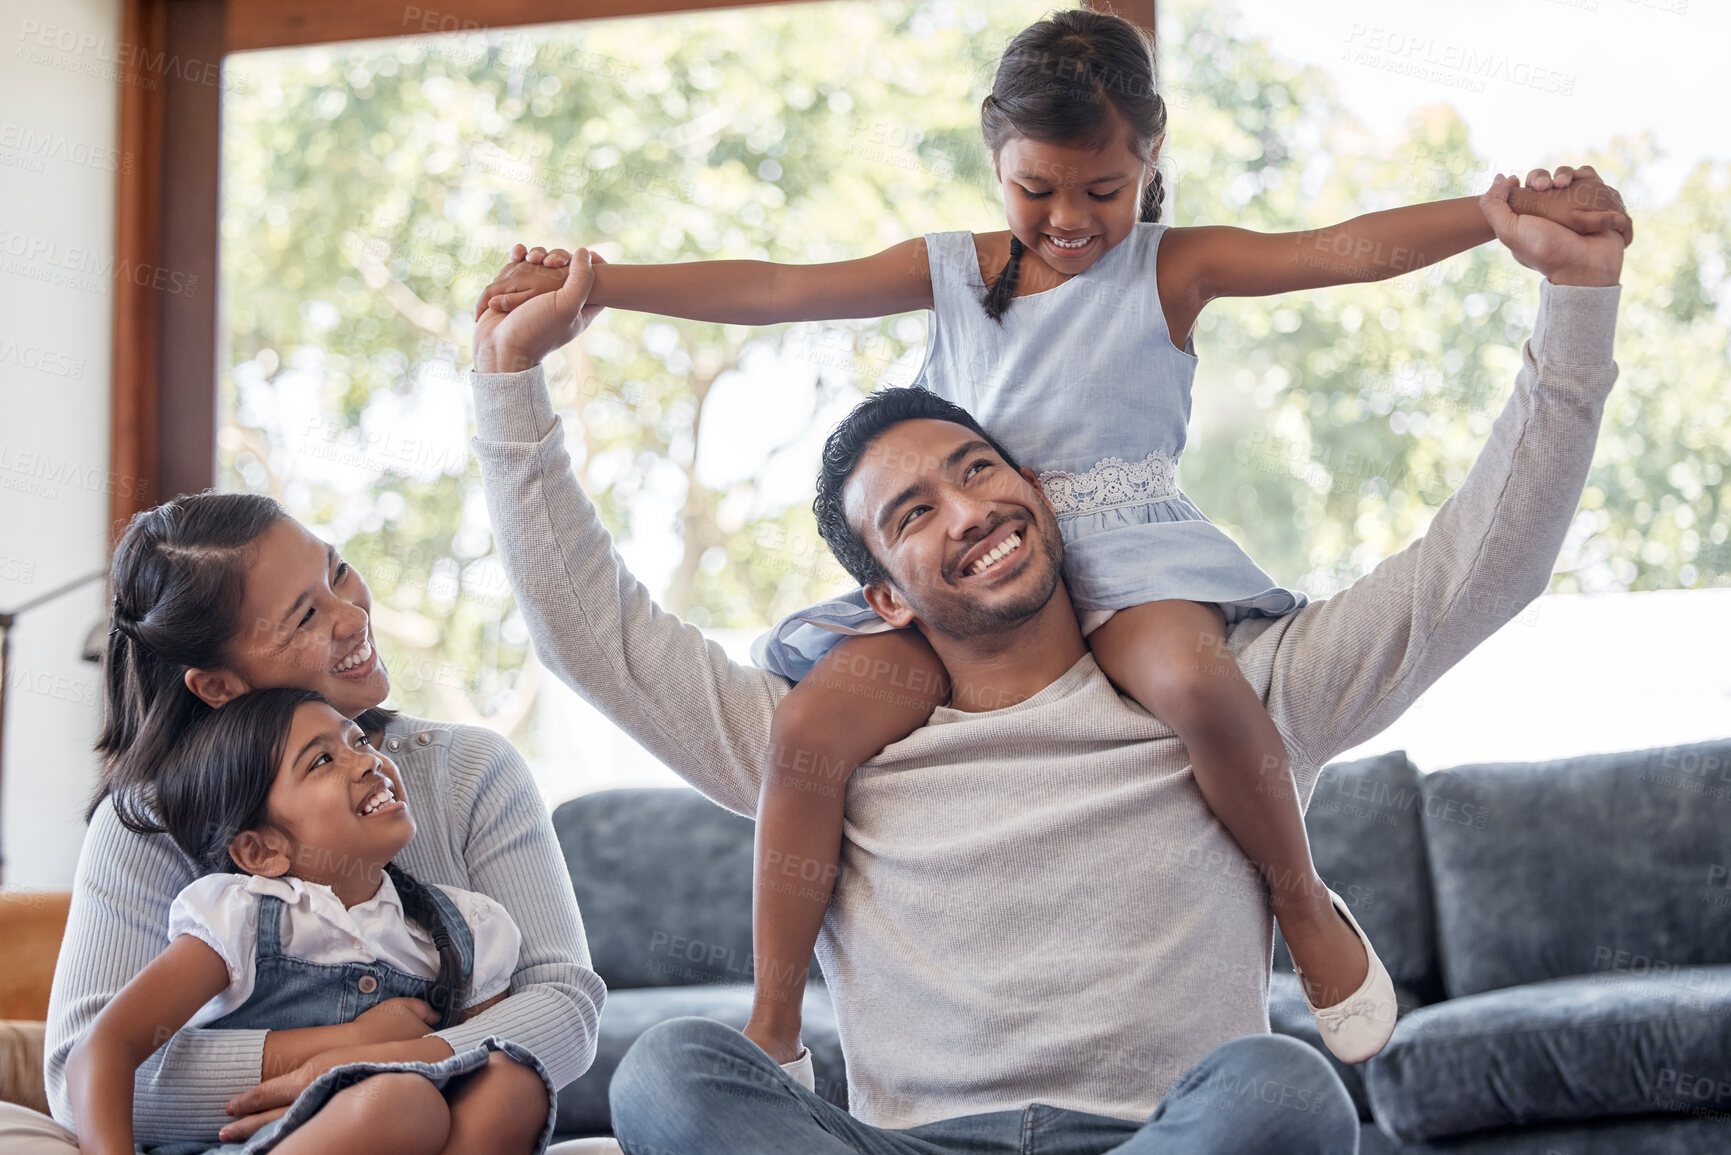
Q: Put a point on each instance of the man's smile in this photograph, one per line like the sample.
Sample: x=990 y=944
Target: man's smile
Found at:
x=999 y=552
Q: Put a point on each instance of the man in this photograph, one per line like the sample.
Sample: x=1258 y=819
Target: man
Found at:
x=1040 y=928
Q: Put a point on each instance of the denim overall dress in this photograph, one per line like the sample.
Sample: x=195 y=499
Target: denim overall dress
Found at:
x=289 y=993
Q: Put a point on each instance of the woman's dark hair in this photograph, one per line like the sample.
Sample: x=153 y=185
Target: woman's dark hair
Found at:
x=214 y=783
x=178 y=577
x=1078 y=77
x=848 y=443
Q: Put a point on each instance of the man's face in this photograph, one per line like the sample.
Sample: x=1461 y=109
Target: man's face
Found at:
x=971 y=545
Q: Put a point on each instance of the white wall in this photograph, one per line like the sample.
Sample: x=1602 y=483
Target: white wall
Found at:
x=59 y=108
x=1579 y=674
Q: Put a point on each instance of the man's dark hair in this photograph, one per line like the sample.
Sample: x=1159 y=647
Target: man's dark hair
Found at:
x=842 y=453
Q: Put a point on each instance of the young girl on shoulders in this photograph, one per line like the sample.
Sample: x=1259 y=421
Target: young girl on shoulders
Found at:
x=1068 y=336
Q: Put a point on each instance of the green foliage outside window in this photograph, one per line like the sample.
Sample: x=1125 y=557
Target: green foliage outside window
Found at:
x=370 y=191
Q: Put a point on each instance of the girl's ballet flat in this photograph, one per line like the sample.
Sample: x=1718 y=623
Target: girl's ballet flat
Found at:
x=1359 y=1025
x=800 y=1069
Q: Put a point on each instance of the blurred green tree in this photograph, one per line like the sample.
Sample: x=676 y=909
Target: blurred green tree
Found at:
x=370 y=191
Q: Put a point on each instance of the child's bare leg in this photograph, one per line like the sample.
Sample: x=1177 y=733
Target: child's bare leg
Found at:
x=864 y=694
x=391 y=1114
x=1171 y=657
x=498 y=1110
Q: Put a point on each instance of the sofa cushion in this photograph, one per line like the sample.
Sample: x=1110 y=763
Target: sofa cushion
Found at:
x=1640 y=1135
x=1287 y=1015
x=627 y=1014
x=1609 y=864
x=1367 y=841
x=663 y=880
x=21 y=1055
x=1564 y=1050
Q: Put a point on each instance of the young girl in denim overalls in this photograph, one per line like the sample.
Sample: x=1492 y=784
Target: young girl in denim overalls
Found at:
x=277 y=781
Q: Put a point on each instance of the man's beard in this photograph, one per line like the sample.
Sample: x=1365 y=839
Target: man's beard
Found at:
x=957 y=616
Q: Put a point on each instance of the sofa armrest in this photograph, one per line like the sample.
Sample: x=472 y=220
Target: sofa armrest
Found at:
x=32 y=923
x=21 y=1079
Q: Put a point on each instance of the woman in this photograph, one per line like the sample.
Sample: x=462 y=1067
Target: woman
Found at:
x=218 y=594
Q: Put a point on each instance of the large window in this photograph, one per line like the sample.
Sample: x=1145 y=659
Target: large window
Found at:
x=369 y=191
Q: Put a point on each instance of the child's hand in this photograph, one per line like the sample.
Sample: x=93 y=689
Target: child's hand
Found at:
x=1558 y=253
x=1575 y=198
x=518 y=330
x=529 y=273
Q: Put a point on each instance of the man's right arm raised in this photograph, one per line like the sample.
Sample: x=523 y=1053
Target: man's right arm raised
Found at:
x=1341 y=669
x=594 y=624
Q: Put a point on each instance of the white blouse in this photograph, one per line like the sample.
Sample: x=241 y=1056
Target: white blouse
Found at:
x=221 y=910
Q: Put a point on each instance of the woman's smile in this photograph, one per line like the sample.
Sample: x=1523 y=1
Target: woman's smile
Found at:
x=359 y=662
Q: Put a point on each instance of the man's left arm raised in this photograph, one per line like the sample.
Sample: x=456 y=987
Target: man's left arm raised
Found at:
x=592 y=622
x=1341 y=669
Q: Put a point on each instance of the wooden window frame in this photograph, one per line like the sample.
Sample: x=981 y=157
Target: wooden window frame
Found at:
x=167 y=208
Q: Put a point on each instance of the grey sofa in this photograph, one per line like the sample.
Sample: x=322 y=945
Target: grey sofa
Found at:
x=1559 y=934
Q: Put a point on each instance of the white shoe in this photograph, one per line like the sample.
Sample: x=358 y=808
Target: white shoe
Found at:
x=800 y=1070
x=1359 y=1025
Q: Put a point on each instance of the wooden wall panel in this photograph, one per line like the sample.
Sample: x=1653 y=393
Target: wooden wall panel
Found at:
x=167 y=239
x=191 y=213
x=138 y=194
x=282 y=23
x=1136 y=11
x=163 y=432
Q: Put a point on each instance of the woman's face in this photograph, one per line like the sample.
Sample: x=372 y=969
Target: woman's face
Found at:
x=306 y=623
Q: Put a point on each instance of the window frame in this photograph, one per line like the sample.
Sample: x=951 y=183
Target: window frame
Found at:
x=168 y=205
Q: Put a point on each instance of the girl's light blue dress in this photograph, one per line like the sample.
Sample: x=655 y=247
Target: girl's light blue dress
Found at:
x=1082 y=384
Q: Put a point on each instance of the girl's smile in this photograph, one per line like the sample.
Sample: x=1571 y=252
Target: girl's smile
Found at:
x=381 y=799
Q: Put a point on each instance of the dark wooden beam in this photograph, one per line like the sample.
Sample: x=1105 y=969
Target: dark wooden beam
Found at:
x=138 y=193
x=284 y=23
x=1139 y=12
x=191 y=243
x=163 y=439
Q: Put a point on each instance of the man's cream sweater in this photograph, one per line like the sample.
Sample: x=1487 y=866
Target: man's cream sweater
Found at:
x=1035 y=903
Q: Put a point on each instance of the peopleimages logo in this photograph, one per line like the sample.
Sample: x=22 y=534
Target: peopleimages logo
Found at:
x=44 y=146
x=49 y=361
x=1453 y=65
x=85 y=269
x=17 y=468
x=115 y=60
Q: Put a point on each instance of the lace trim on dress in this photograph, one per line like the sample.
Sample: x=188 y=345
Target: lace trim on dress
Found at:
x=1111 y=483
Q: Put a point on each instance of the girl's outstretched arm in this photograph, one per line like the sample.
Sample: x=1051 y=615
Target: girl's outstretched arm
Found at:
x=896 y=280
x=146 y=1013
x=1199 y=264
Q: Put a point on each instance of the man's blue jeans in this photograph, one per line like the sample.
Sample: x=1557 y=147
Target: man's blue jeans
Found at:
x=696 y=1087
